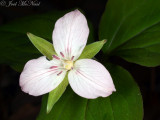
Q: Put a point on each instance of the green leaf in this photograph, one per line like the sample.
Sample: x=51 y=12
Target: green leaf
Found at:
x=55 y=94
x=92 y=49
x=45 y=47
x=124 y=104
x=132 y=30
x=143 y=49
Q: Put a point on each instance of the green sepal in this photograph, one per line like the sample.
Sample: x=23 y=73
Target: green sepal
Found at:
x=55 y=94
x=92 y=49
x=45 y=47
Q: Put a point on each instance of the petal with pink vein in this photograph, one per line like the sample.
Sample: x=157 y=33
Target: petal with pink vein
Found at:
x=41 y=76
x=70 y=35
x=90 y=79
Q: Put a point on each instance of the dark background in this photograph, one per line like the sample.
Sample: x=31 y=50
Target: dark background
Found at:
x=16 y=105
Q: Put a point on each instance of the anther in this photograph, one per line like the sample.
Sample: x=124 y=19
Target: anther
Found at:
x=52 y=67
x=59 y=73
x=72 y=58
x=62 y=54
x=54 y=56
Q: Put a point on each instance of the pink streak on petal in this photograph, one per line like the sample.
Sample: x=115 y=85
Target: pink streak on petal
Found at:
x=50 y=71
x=78 y=72
x=54 y=56
x=70 y=49
x=47 y=72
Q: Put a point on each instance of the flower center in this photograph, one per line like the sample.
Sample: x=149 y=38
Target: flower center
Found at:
x=68 y=65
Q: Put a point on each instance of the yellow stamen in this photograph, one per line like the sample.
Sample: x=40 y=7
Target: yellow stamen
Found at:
x=68 y=65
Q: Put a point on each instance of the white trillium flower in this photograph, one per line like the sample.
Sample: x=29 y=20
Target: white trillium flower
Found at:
x=88 y=78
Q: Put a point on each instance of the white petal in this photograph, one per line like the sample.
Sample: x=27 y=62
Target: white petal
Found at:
x=70 y=35
x=40 y=76
x=90 y=79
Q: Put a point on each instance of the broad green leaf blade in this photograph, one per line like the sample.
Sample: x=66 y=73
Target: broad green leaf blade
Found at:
x=92 y=49
x=143 y=49
x=45 y=47
x=124 y=104
x=69 y=107
x=54 y=95
x=132 y=21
